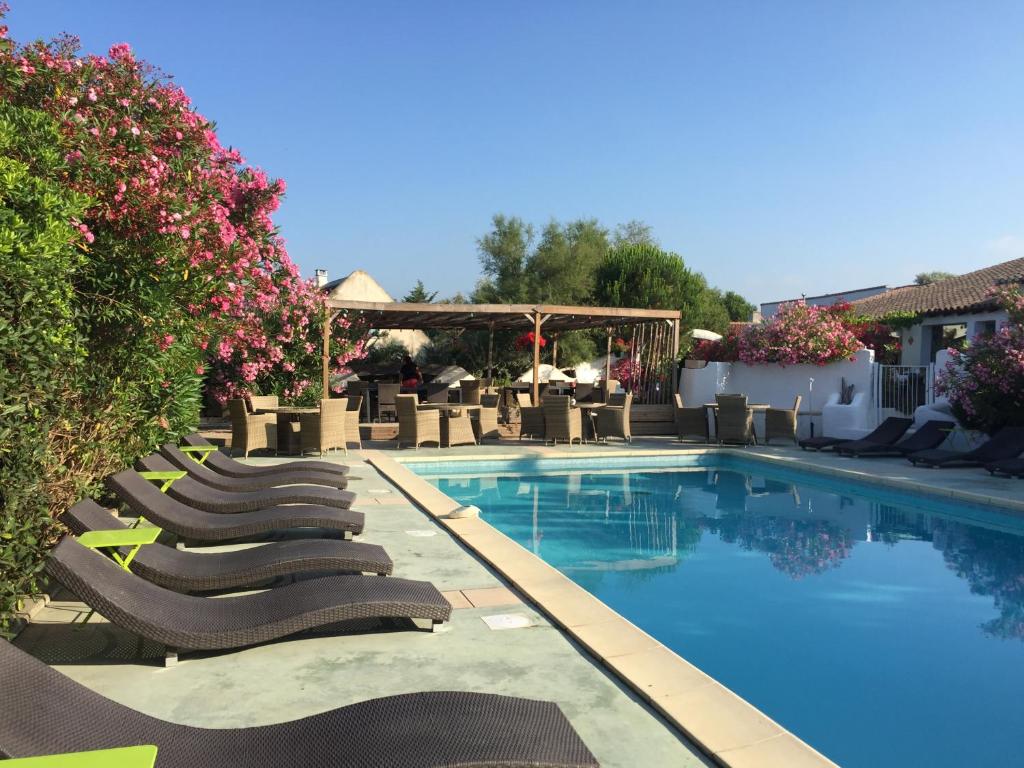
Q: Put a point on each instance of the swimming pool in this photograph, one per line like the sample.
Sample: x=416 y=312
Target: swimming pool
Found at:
x=882 y=627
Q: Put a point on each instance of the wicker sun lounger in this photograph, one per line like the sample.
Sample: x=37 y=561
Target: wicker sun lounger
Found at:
x=221 y=462
x=1007 y=443
x=192 y=623
x=47 y=713
x=185 y=571
x=146 y=500
x=201 y=496
x=931 y=435
x=1007 y=467
x=208 y=476
x=886 y=433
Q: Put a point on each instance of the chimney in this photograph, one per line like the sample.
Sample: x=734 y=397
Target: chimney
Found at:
x=320 y=276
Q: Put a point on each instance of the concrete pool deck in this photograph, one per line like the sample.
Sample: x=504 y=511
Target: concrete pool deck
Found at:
x=289 y=679
x=308 y=674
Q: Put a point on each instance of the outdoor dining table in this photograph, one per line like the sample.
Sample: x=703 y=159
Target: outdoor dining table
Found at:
x=288 y=439
x=456 y=427
x=590 y=411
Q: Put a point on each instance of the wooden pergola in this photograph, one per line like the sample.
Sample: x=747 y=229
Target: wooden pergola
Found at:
x=499 y=317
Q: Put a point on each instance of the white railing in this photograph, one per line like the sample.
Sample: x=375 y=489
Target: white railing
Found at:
x=898 y=390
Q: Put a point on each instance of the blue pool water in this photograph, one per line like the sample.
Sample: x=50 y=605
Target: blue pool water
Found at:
x=883 y=628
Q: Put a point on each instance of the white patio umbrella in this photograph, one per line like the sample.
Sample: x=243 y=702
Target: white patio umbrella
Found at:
x=700 y=333
x=546 y=373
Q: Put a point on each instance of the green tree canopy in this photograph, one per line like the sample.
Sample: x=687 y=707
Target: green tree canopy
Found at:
x=645 y=276
x=419 y=294
x=561 y=270
x=739 y=308
x=504 y=252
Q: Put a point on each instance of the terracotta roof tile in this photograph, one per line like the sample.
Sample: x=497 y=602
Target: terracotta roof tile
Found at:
x=956 y=294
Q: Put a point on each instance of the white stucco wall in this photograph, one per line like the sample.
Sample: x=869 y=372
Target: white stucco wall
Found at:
x=777 y=385
x=360 y=286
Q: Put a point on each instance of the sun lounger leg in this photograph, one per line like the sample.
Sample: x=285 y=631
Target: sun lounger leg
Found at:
x=171 y=657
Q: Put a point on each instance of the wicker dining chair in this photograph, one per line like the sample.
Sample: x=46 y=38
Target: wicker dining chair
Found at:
x=486 y=422
x=603 y=389
x=386 y=393
x=735 y=420
x=437 y=392
x=781 y=422
x=256 y=402
x=251 y=431
x=414 y=425
x=690 y=422
x=613 y=419
x=470 y=391
x=561 y=420
x=531 y=417
x=584 y=393
x=353 y=408
x=324 y=431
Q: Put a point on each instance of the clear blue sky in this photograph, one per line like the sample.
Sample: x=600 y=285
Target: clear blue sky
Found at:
x=780 y=147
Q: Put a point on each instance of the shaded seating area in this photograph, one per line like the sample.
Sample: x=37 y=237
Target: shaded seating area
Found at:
x=48 y=713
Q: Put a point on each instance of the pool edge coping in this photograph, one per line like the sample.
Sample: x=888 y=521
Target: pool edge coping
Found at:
x=720 y=723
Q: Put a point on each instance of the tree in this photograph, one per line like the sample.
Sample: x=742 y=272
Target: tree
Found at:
x=419 y=294
x=646 y=276
x=927 y=278
x=739 y=309
x=561 y=269
x=503 y=255
x=633 y=232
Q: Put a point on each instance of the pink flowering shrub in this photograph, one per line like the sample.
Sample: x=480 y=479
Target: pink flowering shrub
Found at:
x=797 y=334
x=985 y=382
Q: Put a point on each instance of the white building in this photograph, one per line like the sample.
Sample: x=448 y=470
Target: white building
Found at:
x=770 y=308
x=360 y=286
x=948 y=310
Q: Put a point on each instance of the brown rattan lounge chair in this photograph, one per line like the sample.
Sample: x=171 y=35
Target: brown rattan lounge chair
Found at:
x=690 y=422
x=1007 y=443
x=886 y=433
x=251 y=431
x=45 y=712
x=324 y=430
x=1007 y=467
x=225 y=465
x=205 y=497
x=531 y=417
x=205 y=475
x=931 y=435
x=146 y=500
x=189 y=571
x=561 y=420
x=781 y=422
x=613 y=419
x=193 y=623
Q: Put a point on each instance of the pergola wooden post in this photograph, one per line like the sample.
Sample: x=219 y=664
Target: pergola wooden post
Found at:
x=538 y=321
x=608 y=363
x=490 y=354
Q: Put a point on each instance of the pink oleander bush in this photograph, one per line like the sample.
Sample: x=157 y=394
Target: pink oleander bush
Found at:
x=985 y=382
x=798 y=334
x=143 y=252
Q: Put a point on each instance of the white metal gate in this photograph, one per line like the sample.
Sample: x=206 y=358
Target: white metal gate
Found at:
x=899 y=389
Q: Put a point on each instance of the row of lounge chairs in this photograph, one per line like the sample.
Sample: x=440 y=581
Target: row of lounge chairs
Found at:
x=46 y=713
x=1000 y=455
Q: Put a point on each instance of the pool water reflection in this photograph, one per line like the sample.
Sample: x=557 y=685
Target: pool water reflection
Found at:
x=884 y=631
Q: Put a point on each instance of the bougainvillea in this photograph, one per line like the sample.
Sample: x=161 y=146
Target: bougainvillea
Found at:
x=985 y=382
x=525 y=341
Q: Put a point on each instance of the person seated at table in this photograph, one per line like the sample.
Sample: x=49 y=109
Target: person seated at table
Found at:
x=410 y=375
